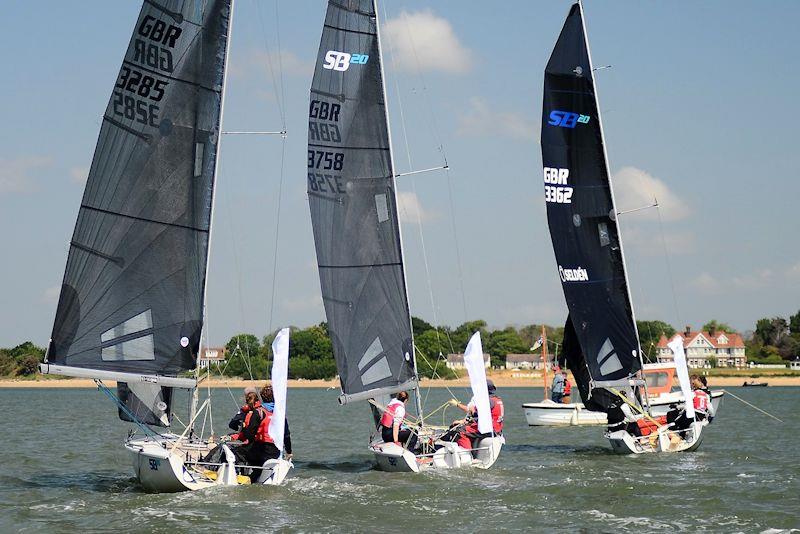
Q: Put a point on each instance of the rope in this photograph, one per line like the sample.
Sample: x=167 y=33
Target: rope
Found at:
x=753 y=406
x=635 y=407
x=102 y=387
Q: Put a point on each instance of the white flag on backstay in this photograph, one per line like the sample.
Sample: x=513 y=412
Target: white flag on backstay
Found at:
x=679 y=357
x=473 y=361
x=280 y=372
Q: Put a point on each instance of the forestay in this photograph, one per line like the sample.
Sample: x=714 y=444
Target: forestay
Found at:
x=351 y=192
x=581 y=212
x=132 y=295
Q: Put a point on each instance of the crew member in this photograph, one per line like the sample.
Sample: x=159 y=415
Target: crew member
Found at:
x=567 y=388
x=271 y=450
x=391 y=424
x=470 y=433
x=557 y=389
x=702 y=400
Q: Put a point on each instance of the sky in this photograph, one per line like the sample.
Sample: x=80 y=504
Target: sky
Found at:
x=699 y=109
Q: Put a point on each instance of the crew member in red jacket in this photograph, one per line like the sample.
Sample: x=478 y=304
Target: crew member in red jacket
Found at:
x=470 y=435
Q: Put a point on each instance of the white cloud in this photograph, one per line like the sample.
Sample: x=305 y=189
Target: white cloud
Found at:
x=304 y=304
x=480 y=120
x=635 y=188
x=79 y=175
x=707 y=283
x=410 y=209
x=15 y=174
x=50 y=295
x=754 y=281
x=422 y=40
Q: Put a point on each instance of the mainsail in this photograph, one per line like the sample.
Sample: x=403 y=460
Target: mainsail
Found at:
x=351 y=193
x=581 y=213
x=131 y=304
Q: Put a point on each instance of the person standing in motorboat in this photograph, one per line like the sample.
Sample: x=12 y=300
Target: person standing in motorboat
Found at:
x=567 y=388
x=557 y=389
x=391 y=425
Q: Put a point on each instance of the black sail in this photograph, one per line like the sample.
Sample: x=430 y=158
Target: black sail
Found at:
x=581 y=212
x=133 y=289
x=351 y=194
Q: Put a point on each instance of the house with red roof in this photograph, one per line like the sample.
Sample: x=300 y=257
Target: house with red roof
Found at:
x=702 y=348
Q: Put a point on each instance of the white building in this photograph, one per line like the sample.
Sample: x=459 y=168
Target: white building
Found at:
x=209 y=356
x=703 y=348
x=456 y=361
x=523 y=361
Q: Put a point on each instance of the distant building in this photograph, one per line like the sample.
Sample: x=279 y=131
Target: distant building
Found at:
x=703 y=348
x=456 y=361
x=795 y=364
x=211 y=355
x=523 y=361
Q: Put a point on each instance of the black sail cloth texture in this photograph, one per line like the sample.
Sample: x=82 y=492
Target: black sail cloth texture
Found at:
x=353 y=209
x=132 y=295
x=581 y=213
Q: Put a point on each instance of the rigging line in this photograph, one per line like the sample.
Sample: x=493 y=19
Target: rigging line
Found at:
x=280 y=63
x=669 y=266
x=413 y=183
x=752 y=406
x=433 y=123
x=278 y=93
x=275 y=251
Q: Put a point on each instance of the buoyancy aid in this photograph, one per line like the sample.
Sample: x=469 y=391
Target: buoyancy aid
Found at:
x=496 y=409
x=701 y=399
x=567 y=388
x=262 y=434
x=387 y=419
x=648 y=425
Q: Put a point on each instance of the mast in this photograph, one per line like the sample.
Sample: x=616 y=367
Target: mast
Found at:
x=195 y=390
x=544 y=361
x=614 y=203
x=417 y=396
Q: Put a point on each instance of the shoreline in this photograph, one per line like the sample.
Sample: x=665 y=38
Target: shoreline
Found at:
x=500 y=380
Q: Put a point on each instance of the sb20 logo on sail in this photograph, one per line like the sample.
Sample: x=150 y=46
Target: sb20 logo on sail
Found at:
x=567 y=119
x=341 y=61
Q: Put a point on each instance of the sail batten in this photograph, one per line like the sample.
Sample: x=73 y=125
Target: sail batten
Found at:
x=582 y=216
x=353 y=205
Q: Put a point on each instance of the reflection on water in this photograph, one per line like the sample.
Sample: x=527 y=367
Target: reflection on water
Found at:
x=73 y=474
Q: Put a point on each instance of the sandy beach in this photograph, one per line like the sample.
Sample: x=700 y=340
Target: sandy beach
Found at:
x=502 y=379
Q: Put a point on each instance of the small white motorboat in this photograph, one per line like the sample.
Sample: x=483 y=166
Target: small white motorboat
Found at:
x=660 y=378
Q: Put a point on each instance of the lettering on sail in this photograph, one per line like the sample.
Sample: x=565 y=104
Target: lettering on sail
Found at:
x=578 y=274
x=139 y=90
x=556 y=189
x=323 y=128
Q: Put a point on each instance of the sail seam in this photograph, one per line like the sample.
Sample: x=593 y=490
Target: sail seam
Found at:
x=340 y=97
x=350 y=147
x=357 y=11
x=144 y=219
x=349 y=31
x=360 y=266
x=338 y=200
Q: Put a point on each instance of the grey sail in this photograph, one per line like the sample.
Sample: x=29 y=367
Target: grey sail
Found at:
x=132 y=295
x=351 y=194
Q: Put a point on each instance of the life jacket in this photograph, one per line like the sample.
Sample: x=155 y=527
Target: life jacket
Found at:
x=387 y=419
x=497 y=411
x=567 y=388
x=647 y=426
x=262 y=434
x=701 y=400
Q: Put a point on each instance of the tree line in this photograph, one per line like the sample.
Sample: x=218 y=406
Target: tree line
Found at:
x=774 y=340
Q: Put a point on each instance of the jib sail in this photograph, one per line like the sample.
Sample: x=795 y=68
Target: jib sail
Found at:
x=351 y=193
x=581 y=213
x=131 y=304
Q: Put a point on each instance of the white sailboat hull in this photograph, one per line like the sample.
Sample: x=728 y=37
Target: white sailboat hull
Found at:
x=162 y=468
x=665 y=441
x=549 y=413
x=394 y=458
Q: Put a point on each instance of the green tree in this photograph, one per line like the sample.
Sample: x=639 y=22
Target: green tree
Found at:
x=244 y=356
x=28 y=365
x=501 y=342
x=650 y=332
x=460 y=336
x=312 y=342
x=420 y=325
x=772 y=331
x=794 y=323
x=713 y=324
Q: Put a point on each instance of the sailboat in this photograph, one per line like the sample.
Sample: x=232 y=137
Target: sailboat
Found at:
x=132 y=302
x=353 y=200
x=601 y=341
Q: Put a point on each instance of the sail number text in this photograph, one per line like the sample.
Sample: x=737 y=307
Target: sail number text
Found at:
x=324 y=128
x=556 y=189
x=320 y=159
x=131 y=90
